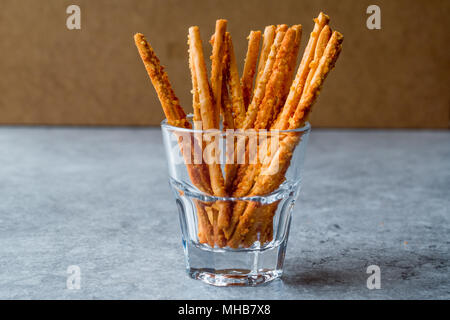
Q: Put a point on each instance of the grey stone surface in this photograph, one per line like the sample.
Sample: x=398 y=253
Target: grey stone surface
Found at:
x=99 y=198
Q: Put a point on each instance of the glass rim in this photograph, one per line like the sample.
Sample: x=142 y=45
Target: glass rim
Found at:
x=165 y=124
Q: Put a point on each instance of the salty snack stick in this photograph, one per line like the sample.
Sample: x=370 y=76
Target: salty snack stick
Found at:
x=287 y=81
x=260 y=87
x=316 y=77
x=205 y=232
x=322 y=42
x=174 y=113
x=261 y=188
x=237 y=102
x=226 y=105
x=263 y=221
x=267 y=106
x=227 y=112
x=228 y=123
x=170 y=103
x=205 y=229
x=266 y=181
x=274 y=86
x=198 y=62
x=234 y=83
x=253 y=108
x=282 y=123
x=195 y=98
x=248 y=172
x=268 y=38
x=226 y=109
x=251 y=59
x=228 y=119
x=216 y=67
x=207 y=110
x=326 y=64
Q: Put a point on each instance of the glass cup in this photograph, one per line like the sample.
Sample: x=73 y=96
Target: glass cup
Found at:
x=234 y=236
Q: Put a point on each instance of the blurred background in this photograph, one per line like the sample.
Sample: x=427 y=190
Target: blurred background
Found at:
x=396 y=77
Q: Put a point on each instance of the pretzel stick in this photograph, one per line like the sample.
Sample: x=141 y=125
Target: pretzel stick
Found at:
x=171 y=107
x=287 y=80
x=169 y=102
x=228 y=123
x=267 y=182
x=206 y=232
x=268 y=39
x=268 y=103
x=237 y=101
x=322 y=42
x=247 y=172
x=235 y=85
x=253 y=108
x=205 y=229
x=274 y=86
x=176 y=116
x=282 y=85
x=207 y=113
x=227 y=107
x=195 y=98
x=213 y=213
x=326 y=64
x=251 y=59
x=259 y=230
x=260 y=87
x=216 y=67
x=282 y=123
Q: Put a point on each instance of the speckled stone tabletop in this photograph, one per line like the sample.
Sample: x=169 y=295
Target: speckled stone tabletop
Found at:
x=99 y=198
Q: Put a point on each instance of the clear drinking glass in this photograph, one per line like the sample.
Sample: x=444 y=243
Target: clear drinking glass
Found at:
x=251 y=249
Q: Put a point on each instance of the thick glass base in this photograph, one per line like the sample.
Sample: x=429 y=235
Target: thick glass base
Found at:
x=235 y=267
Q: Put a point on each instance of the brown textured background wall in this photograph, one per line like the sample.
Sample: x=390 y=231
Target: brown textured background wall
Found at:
x=394 y=77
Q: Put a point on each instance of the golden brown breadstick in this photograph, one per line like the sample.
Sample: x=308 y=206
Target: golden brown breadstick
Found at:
x=169 y=102
x=216 y=67
x=273 y=90
x=267 y=181
x=235 y=85
x=172 y=109
x=198 y=62
x=287 y=80
x=263 y=219
x=256 y=101
x=282 y=123
x=248 y=172
x=260 y=87
x=205 y=229
x=264 y=184
x=237 y=102
x=250 y=66
x=215 y=171
x=322 y=42
x=326 y=64
x=195 y=98
x=228 y=123
x=227 y=108
x=268 y=39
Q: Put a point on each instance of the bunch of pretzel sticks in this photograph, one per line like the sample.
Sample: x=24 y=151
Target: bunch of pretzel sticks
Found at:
x=265 y=97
